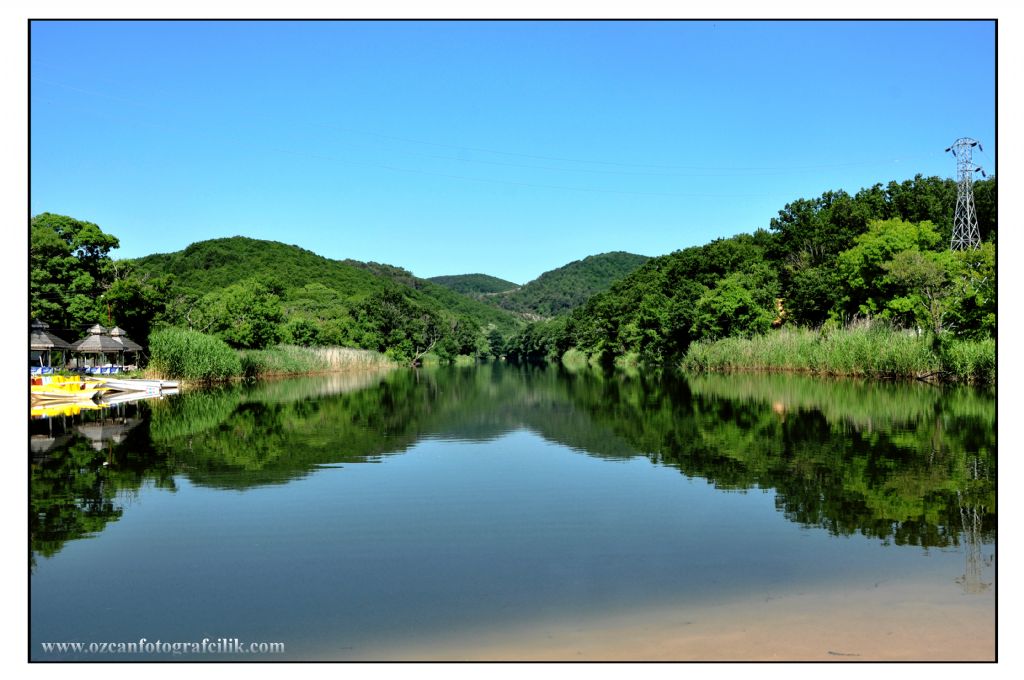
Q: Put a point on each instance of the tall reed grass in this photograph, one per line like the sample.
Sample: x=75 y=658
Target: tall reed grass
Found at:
x=194 y=356
x=191 y=355
x=973 y=361
x=875 y=350
x=292 y=360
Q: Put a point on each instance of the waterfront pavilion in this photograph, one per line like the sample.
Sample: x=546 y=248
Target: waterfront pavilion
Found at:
x=97 y=348
x=42 y=344
x=128 y=345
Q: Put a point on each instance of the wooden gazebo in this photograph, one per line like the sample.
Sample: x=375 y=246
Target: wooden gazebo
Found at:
x=99 y=345
x=127 y=344
x=42 y=343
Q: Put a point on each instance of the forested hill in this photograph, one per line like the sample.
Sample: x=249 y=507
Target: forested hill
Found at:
x=331 y=299
x=206 y=266
x=882 y=253
x=561 y=290
x=474 y=285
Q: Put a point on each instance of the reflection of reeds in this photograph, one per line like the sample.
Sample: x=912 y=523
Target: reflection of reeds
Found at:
x=858 y=402
x=203 y=409
x=288 y=390
x=877 y=351
x=292 y=360
x=195 y=411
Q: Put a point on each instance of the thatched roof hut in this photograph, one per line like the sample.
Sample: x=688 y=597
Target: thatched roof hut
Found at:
x=97 y=342
x=42 y=339
x=122 y=337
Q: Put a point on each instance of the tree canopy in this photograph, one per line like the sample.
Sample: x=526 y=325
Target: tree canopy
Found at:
x=69 y=270
x=882 y=252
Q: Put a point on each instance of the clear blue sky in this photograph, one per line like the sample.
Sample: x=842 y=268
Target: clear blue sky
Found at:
x=508 y=148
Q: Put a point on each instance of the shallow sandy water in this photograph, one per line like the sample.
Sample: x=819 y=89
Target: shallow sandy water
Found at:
x=888 y=622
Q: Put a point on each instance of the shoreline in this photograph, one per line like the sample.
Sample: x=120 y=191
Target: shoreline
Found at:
x=883 y=622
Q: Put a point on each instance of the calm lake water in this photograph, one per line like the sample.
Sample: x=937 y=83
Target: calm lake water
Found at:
x=516 y=513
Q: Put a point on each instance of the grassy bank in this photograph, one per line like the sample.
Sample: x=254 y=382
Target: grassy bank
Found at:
x=431 y=359
x=192 y=356
x=875 y=352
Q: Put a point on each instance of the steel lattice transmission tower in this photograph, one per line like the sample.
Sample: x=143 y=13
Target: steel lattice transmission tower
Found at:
x=965 y=220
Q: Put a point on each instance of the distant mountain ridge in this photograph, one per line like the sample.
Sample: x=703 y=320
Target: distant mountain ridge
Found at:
x=474 y=285
x=555 y=292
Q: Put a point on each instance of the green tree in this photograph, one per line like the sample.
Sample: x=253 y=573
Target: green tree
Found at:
x=985 y=206
x=810 y=292
x=816 y=230
x=971 y=311
x=136 y=301
x=733 y=307
x=392 y=324
x=69 y=269
x=865 y=286
x=301 y=332
x=922 y=283
x=495 y=343
x=245 y=315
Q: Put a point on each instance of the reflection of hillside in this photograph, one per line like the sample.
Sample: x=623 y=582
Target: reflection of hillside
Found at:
x=499 y=399
x=884 y=460
x=276 y=431
x=845 y=465
x=898 y=462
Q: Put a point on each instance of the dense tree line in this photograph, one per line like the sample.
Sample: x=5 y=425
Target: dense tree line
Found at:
x=881 y=253
x=74 y=283
x=250 y=294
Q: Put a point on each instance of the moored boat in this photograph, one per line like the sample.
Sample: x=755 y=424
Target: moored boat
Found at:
x=138 y=384
x=65 y=387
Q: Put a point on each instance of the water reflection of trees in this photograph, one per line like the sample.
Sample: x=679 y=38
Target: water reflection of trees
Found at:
x=81 y=471
x=888 y=461
x=903 y=463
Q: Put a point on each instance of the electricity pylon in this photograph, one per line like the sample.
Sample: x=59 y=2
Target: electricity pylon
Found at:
x=965 y=219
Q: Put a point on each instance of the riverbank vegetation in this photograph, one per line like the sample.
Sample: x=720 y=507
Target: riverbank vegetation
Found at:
x=292 y=360
x=830 y=265
x=875 y=351
x=194 y=356
x=251 y=295
x=200 y=357
x=795 y=296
